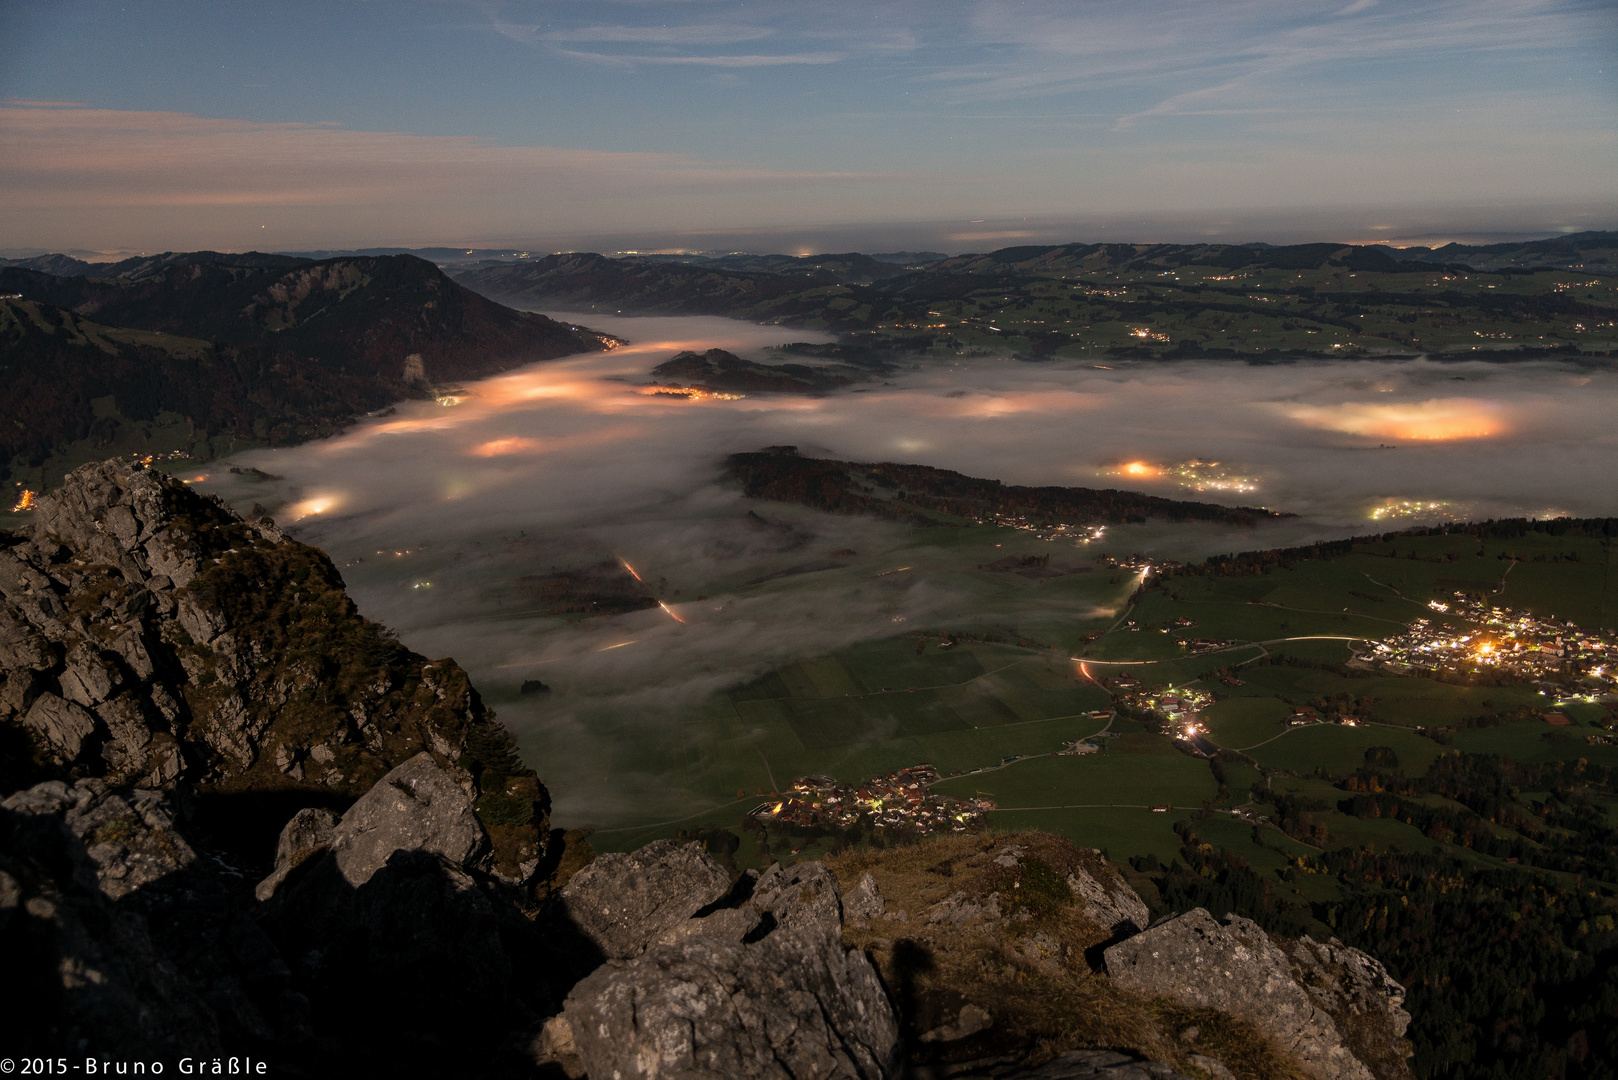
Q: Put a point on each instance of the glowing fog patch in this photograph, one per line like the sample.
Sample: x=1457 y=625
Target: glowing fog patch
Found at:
x=1434 y=420
x=310 y=507
x=501 y=447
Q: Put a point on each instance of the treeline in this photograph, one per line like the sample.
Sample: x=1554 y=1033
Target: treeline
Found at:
x=917 y=493
x=1511 y=970
x=1254 y=563
x=1565 y=830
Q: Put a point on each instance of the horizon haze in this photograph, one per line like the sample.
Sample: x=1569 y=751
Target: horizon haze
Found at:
x=718 y=125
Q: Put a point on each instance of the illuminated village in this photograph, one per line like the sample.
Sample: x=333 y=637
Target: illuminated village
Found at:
x=1078 y=534
x=1143 y=563
x=898 y=802
x=1178 y=706
x=1194 y=474
x=1501 y=639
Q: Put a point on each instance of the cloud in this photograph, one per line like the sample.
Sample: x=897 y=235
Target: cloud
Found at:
x=752 y=61
x=103 y=178
x=30 y=103
x=566 y=464
x=1433 y=420
x=1258 y=44
x=702 y=34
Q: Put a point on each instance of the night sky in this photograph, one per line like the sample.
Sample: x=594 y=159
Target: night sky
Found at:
x=781 y=126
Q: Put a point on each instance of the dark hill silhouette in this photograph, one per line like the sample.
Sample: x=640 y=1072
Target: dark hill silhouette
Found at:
x=264 y=347
x=921 y=494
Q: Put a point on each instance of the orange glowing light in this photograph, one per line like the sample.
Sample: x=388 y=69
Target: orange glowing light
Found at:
x=25 y=501
x=631 y=569
x=669 y=612
x=309 y=507
x=501 y=447
x=1434 y=420
x=1140 y=468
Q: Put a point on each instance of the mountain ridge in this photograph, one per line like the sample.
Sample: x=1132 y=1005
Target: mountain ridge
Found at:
x=251 y=348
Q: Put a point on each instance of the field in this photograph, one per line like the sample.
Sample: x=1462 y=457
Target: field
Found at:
x=989 y=700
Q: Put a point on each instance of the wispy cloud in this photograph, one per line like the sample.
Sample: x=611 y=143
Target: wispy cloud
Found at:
x=1200 y=53
x=92 y=177
x=699 y=34
x=748 y=61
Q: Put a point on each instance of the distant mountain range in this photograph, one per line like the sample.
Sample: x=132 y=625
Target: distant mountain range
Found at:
x=742 y=285
x=779 y=287
x=198 y=350
x=1077 y=300
x=1590 y=250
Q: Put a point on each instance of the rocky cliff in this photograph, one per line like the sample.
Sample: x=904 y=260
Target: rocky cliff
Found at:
x=152 y=638
x=243 y=820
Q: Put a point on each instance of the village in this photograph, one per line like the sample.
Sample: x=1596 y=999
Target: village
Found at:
x=1559 y=654
x=1079 y=534
x=1174 y=705
x=899 y=802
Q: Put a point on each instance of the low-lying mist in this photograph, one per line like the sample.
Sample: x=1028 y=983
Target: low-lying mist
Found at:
x=435 y=513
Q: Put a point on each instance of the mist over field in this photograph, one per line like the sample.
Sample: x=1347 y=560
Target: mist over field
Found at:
x=436 y=512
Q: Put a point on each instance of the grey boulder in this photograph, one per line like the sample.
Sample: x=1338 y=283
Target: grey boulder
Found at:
x=1109 y=902
x=1234 y=967
x=416 y=807
x=786 y=1002
x=309 y=833
x=61 y=725
x=622 y=903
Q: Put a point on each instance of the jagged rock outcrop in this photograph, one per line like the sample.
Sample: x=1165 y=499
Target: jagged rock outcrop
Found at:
x=149 y=635
x=308 y=834
x=863 y=902
x=772 y=993
x=1236 y=968
x=83 y=975
x=1109 y=901
x=389 y=910
x=178 y=910
x=130 y=837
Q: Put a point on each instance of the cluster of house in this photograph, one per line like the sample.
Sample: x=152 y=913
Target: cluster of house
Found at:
x=1200 y=475
x=1173 y=705
x=1138 y=562
x=899 y=801
x=1502 y=639
x=1077 y=533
